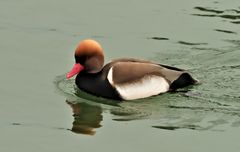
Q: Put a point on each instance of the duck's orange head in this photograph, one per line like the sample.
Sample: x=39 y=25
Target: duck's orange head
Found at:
x=88 y=56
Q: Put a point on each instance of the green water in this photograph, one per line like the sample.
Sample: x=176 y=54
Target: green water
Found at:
x=42 y=111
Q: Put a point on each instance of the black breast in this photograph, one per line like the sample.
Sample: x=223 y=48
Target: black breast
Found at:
x=96 y=84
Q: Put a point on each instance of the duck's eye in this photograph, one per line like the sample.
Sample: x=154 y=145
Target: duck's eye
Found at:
x=80 y=59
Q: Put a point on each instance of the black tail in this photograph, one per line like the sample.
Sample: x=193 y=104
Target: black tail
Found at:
x=184 y=80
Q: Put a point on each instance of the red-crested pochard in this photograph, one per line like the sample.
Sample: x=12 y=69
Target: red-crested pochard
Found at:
x=123 y=79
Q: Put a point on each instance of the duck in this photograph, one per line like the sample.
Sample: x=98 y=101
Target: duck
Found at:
x=124 y=78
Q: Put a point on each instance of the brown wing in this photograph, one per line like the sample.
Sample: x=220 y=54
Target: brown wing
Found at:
x=130 y=70
x=145 y=61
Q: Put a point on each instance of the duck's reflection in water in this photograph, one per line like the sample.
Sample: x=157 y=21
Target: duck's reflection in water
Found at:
x=86 y=117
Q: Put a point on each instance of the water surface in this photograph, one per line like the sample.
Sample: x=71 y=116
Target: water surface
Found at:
x=42 y=111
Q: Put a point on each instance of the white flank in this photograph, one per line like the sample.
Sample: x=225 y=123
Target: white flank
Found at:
x=147 y=86
x=109 y=77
